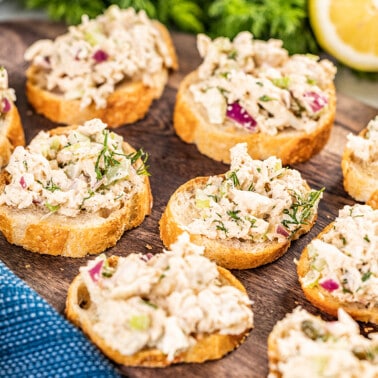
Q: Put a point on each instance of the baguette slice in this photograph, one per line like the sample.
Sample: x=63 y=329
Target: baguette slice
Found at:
x=129 y=102
x=252 y=91
x=373 y=200
x=37 y=230
x=81 y=310
x=360 y=178
x=232 y=252
x=326 y=293
x=303 y=344
x=11 y=134
x=291 y=146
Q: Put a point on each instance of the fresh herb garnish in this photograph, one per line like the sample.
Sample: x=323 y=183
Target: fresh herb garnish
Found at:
x=301 y=210
x=220 y=226
x=106 y=157
x=234 y=215
x=51 y=186
x=143 y=156
x=149 y=303
x=234 y=178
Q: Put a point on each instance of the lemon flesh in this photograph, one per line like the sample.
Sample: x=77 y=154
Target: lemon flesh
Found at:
x=348 y=30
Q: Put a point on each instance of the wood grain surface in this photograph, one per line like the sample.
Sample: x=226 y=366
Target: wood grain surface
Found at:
x=274 y=288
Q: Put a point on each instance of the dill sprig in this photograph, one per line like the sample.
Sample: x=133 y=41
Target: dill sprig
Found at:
x=106 y=159
x=106 y=156
x=143 y=156
x=301 y=210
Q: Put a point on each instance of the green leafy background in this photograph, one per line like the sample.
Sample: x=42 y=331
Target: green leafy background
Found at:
x=283 y=19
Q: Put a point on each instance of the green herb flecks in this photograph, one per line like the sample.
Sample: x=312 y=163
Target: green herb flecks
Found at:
x=366 y=276
x=51 y=186
x=232 y=55
x=301 y=210
x=266 y=98
x=313 y=331
x=220 y=226
x=234 y=178
x=105 y=159
x=149 y=303
x=233 y=214
x=143 y=156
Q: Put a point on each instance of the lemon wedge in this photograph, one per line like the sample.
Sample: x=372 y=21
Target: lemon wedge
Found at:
x=348 y=30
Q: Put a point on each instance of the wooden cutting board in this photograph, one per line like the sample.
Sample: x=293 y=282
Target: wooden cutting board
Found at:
x=274 y=288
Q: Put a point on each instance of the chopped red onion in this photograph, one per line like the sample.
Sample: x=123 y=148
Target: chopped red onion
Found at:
x=329 y=285
x=23 y=182
x=282 y=231
x=147 y=256
x=237 y=113
x=100 y=56
x=5 y=105
x=317 y=101
x=95 y=271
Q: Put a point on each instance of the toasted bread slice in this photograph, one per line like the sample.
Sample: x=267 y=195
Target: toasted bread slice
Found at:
x=231 y=252
x=11 y=134
x=303 y=344
x=360 y=177
x=329 y=279
x=291 y=146
x=129 y=101
x=44 y=230
x=82 y=310
x=373 y=200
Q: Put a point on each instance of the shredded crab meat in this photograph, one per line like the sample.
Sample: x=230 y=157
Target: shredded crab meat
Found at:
x=89 y=60
x=274 y=89
x=82 y=170
x=163 y=301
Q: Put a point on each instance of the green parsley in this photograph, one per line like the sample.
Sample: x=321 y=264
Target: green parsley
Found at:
x=282 y=19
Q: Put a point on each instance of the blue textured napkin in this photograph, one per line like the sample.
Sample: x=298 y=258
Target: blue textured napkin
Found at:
x=36 y=341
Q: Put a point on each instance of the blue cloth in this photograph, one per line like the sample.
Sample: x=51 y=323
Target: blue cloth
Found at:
x=36 y=341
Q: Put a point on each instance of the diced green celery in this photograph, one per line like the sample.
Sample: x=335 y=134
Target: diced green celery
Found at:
x=319 y=263
x=311 y=279
x=52 y=208
x=76 y=137
x=139 y=322
x=278 y=165
x=117 y=171
x=282 y=82
x=55 y=143
x=93 y=37
x=202 y=203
